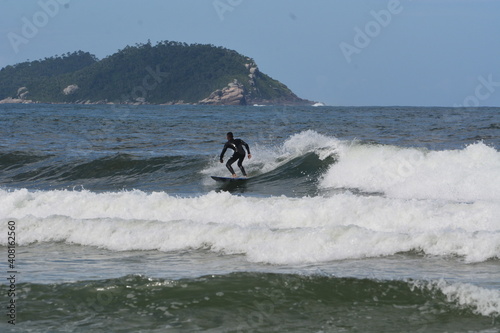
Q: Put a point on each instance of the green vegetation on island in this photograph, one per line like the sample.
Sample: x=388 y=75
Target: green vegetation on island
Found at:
x=168 y=72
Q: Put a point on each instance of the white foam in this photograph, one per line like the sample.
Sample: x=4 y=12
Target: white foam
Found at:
x=482 y=301
x=277 y=230
x=468 y=174
x=268 y=158
x=318 y=104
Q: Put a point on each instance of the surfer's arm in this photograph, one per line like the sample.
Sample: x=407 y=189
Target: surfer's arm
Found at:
x=246 y=146
x=223 y=152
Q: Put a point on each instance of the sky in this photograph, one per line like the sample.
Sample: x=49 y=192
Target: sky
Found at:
x=339 y=52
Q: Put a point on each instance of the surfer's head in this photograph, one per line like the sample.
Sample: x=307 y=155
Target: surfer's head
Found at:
x=229 y=135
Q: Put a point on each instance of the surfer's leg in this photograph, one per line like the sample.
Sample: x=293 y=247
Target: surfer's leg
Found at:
x=240 y=165
x=228 y=165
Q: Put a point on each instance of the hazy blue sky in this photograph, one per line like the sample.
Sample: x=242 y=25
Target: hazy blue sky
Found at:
x=349 y=52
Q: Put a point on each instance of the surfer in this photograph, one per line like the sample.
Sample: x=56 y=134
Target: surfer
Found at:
x=239 y=153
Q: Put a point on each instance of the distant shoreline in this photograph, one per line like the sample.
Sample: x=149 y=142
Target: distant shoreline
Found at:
x=10 y=100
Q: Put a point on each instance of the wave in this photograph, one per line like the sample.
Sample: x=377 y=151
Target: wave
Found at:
x=467 y=175
x=464 y=175
x=110 y=172
x=268 y=158
x=306 y=163
x=247 y=301
x=303 y=156
x=17 y=159
x=291 y=168
x=276 y=230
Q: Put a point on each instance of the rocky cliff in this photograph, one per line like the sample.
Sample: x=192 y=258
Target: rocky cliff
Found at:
x=233 y=94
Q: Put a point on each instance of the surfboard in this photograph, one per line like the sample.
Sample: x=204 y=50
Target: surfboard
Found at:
x=229 y=179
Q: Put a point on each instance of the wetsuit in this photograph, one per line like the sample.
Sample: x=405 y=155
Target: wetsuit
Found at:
x=239 y=154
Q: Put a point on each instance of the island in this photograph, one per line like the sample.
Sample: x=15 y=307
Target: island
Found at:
x=166 y=73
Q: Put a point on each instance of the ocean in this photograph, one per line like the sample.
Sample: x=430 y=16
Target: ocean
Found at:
x=354 y=219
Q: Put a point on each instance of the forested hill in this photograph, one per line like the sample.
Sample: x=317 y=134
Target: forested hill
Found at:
x=168 y=72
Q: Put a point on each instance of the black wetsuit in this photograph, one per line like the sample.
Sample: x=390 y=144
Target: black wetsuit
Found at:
x=239 y=154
